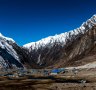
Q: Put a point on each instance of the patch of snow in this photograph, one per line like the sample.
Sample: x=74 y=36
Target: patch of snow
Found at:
x=5 y=45
x=6 y=38
x=39 y=59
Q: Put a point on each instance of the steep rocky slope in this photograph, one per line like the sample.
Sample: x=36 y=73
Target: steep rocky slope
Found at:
x=8 y=56
x=67 y=49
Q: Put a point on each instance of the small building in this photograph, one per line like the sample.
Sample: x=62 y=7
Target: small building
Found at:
x=54 y=72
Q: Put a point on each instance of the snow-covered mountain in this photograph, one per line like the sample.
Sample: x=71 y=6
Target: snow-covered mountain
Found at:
x=62 y=38
x=8 y=56
x=64 y=49
x=73 y=48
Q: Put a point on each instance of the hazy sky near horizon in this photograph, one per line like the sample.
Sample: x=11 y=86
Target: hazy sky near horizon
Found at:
x=31 y=20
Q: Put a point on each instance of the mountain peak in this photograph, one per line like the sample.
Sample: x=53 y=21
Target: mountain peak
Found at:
x=6 y=38
x=94 y=16
x=63 y=36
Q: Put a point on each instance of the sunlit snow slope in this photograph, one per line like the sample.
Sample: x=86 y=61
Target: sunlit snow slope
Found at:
x=65 y=49
x=62 y=38
x=8 y=56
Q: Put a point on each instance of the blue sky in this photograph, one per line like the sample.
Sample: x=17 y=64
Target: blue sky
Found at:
x=31 y=20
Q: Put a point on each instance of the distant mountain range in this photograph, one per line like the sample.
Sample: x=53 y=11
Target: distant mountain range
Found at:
x=73 y=48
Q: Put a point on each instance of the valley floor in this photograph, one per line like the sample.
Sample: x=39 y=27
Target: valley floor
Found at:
x=84 y=79
x=53 y=86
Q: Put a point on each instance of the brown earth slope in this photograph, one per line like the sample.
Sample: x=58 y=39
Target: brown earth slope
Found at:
x=79 y=50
